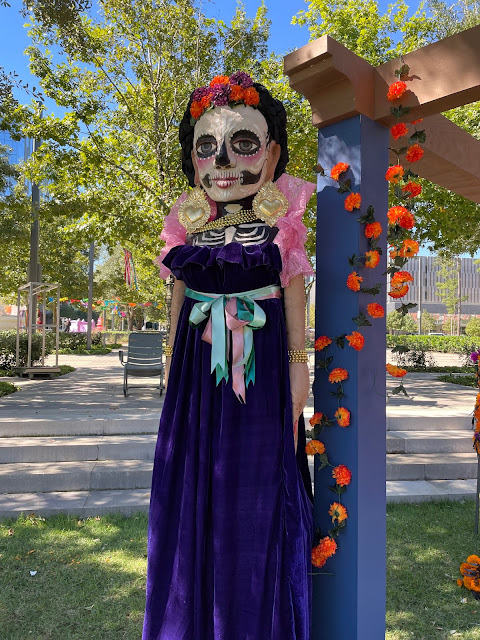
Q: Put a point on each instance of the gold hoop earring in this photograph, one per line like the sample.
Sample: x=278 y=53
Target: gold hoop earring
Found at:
x=195 y=211
x=270 y=204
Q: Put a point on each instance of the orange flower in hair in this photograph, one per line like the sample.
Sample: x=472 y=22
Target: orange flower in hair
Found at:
x=399 y=130
x=396 y=90
x=373 y=230
x=356 y=340
x=196 y=110
x=342 y=475
x=220 y=80
x=321 y=342
x=412 y=188
x=353 y=201
x=338 y=512
x=353 y=281
x=342 y=416
x=372 y=258
x=236 y=93
x=375 y=310
x=251 y=96
x=394 y=173
x=414 y=153
x=338 y=169
x=337 y=375
x=316 y=419
x=314 y=446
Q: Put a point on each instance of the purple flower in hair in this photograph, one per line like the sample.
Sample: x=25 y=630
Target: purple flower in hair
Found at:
x=220 y=95
x=241 y=78
x=474 y=356
x=199 y=93
x=476 y=436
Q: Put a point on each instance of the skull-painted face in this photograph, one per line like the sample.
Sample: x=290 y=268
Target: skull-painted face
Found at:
x=232 y=153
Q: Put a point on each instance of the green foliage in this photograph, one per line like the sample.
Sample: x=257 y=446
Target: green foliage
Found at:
x=466 y=381
x=473 y=327
x=6 y=388
x=428 y=322
x=398 y=322
x=443 y=344
x=72 y=342
x=8 y=341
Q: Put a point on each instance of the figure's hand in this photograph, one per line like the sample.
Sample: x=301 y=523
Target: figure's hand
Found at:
x=300 y=388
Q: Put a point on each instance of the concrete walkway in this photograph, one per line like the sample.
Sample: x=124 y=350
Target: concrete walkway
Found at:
x=79 y=446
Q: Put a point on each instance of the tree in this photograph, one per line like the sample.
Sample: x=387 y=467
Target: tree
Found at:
x=397 y=322
x=473 y=327
x=448 y=286
x=428 y=322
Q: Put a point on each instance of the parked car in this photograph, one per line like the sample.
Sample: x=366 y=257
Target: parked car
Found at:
x=435 y=333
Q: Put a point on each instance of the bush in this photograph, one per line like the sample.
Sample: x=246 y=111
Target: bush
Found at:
x=8 y=341
x=473 y=327
x=77 y=341
x=6 y=388
x=418 y=358
x=444 y=344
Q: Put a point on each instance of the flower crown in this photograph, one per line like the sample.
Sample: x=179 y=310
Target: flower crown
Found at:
x=224 y=90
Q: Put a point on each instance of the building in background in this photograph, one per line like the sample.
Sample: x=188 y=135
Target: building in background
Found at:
x=424 y=293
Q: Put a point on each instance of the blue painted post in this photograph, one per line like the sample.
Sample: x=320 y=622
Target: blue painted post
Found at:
x=350 y=605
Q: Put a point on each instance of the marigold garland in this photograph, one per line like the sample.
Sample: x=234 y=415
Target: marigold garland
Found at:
x=353 y=201
x=342 y=416
x=394 y=371
x=322 y=342
x=399 y=291
x=338 y=512
x=399 y=130
x=395 y=173
x=337 y=375
x=402 y=276
x=412 y=189
x=342 y=475
x=353 y=281
x=372 y=258
x=356 y=340
x=316 y=419
x=414 y=153
x=373 y=230
x=396 y=90
x=338 y=169
x=375 y=310
x=314 y=446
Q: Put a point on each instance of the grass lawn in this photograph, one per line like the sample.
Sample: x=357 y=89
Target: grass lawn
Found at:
x=90 y=580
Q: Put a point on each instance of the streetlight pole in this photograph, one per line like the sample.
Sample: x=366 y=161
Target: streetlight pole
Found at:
x=90 y=295
x=34 y=267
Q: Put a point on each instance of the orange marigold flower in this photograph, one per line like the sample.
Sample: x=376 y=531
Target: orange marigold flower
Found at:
x=236 y=93
x=251 y=96
x=406 y=221
x=394 y=213
x=314 y=446
x=414 y=153
x=196 y=109
x=375 y=310
x=353 y=201
x=394 y=173
x=342 y=475
x=342 y=416
x=394 y=371
x=396 y=90
x=416 y=121
x=337 y=375
x=373 y=230
x=316 y=419
x=356 y=340
x=205 y=102
x=401 y=276
x=327 y=546
x=318 y=558
x=338 y=512
x=372 y=258
x=398 y=291
x=321 y=342
x=353 y=281
x=220 y=80
x=409 y=248
x=399 y=130
x=412 y=188
x=338 y=169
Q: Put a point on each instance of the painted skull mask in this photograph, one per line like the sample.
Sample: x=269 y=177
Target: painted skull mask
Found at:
x=232 y=152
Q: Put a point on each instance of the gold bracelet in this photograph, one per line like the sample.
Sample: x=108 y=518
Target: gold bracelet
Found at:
x=297 y=355
x=168 y=351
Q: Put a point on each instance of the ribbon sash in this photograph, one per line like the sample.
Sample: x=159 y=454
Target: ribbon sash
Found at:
x=231 y=317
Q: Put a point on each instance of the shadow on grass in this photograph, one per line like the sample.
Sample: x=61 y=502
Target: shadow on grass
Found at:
x=90 y=580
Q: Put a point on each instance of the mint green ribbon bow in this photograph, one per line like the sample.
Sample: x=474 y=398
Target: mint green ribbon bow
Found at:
x=224 y=319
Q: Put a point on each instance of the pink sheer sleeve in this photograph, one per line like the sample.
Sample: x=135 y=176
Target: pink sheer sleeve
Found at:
x=292 y=233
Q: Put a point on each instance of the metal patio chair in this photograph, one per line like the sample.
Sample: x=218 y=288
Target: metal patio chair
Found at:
x=143 y=358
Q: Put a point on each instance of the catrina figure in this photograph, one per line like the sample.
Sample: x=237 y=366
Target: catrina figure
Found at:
x=230 y=524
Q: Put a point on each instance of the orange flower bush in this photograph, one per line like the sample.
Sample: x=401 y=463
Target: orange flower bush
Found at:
x=251 y=96
x=353 y=201
x=414 y=153
x=322 y=342
x=394 y=371
x=353 y=281
x=375 y=310
x=399 y=130
x=373 y=230
x=342 y=416
x=396 y=90
x=394 y=174
x=342 y=475
x=356 y=340
x=338 y=512
x=337 y=375
x=398 y=291
x=316 y=419
x=314 y=446
x=338 y=169
x=413 y=189
x=372 y=258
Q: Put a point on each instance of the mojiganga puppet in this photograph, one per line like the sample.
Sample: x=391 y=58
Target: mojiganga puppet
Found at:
x=230 y=521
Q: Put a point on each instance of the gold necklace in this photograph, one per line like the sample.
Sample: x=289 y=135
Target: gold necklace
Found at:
x=229 y=220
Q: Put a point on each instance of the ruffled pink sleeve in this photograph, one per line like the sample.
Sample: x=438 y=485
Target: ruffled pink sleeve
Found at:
x=292 y=233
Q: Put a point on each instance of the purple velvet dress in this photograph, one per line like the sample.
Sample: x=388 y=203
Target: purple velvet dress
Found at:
x=230 y=522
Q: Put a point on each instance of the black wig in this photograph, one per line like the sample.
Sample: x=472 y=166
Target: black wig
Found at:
x=272 y=110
